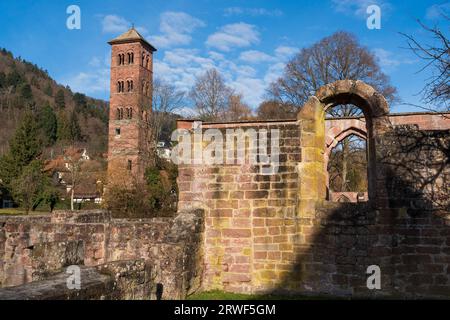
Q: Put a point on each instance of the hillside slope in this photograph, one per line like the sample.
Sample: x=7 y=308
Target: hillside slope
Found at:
x=80 y=120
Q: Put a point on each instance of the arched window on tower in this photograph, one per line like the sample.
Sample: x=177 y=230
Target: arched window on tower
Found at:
x=121 y=59
x=120 y=86
x=147 y=62
x=130 y=85
x=119 y=113
x=130 y=58
x=143 y=59
x=129 y=113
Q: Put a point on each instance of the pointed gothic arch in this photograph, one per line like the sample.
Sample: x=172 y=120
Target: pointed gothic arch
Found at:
x=311 y=118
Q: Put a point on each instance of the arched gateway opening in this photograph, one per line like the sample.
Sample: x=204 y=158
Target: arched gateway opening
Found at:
x=313 y=177
x=346 y=154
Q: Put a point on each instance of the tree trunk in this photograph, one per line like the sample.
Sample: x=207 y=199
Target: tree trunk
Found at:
x=345 y=152
x=72 y=191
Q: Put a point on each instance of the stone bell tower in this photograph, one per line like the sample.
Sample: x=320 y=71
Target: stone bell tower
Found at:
x=130 y=107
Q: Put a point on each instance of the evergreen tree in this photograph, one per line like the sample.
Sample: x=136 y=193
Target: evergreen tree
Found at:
x=74 y=128
x=63 y=132
x=25 y=145
x=2 y=80
x=14 y=79
x=79 y=99
x=29 y=187
x=8 y=170
x=24 y=148
x=49 y=125
x=48 y=90
x=80 y=103
x=60 y=99
x=26 y=92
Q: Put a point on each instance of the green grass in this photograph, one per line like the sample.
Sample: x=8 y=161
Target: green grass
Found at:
x=220 y=295
x=19 y=212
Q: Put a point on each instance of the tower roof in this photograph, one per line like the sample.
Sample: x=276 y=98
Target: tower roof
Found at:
x=131 y=36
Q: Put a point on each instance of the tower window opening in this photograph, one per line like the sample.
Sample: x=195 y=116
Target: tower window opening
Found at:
x=130 y=86
x=117 y=131
x=121 y=59
x=129 y=113
x=129 y=165
x=120 y=86
x=119 y=113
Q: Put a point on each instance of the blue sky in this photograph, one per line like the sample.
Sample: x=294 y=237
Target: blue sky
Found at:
x=248 y=41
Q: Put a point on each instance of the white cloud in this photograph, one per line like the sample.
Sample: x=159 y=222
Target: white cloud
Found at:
x=252 y=12
x=274 y=72
x=388 y=60
x=237 y=35
x=94 y=81
x=252 y=89
x=114 y=24
x=255 y=56
x=176 y=29
x=181 y=67
x=216 y=55
x=436 y=11
x=284 y=52
x=358 y=7
x=95 y=62
x=90 y=83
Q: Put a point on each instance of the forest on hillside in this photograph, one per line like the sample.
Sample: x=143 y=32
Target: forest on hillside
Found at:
x=63 y=117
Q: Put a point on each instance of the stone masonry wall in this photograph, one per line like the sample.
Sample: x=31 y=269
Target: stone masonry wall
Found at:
x=250 y=217
x=34 y=248
x=258 y=238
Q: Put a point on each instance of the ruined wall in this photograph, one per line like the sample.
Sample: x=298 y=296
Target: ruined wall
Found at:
x=34 y=248
x=250 y=217
x=409 y=241
x=260 y=238
x=116 y=280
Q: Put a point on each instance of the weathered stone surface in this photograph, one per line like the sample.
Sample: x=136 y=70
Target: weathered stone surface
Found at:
x=276 y=233
x=35 y=248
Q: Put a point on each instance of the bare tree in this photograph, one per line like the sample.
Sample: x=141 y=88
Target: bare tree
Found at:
x=337 y=57
x=275 y=110
x=437 y=58
x=167 y=100
x=237 y=109
x=79 y=169
x=210 y=95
